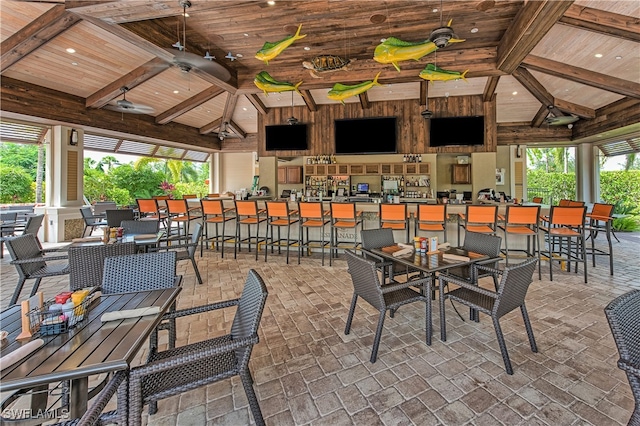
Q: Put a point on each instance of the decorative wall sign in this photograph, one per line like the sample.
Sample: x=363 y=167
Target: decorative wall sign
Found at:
x=499 y=176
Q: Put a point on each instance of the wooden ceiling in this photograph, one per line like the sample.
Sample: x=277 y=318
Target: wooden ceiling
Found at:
x=534 y=56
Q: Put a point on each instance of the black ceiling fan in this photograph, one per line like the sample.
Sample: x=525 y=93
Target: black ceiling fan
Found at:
x=123 y=105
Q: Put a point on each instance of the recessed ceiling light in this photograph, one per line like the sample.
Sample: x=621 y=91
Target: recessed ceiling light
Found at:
x=244 y=108
x=598 y=55
x=474 y=30
x=176 y=91
x=239 y=55
x=514 y=93
x=618 y=57
x=157 y=93
x=74 y=63
x=208 y=111
x=245 y=34
x=307 y=48
x=271 y=3
x=71 y=50
x=186 y=15
x=435 y=10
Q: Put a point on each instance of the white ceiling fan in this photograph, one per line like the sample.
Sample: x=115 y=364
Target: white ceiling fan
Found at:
x=123 y=105
x=223 y=133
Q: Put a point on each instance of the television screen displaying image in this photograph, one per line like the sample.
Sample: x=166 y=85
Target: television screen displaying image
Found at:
x=286 y=137
x=466 y=131
x=366 y=136
x=363 y=187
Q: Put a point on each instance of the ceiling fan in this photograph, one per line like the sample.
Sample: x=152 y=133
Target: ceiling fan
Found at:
x=441 y=35
x=563 y=120
x=223 y=133
x=123 y=105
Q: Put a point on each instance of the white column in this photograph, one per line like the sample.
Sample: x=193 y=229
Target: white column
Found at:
x=586 y=173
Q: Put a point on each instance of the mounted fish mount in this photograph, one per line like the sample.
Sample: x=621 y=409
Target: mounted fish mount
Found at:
x=432 y=73
x=326 y=63
x=394 y=50
x=270 y=50
x=266 y=83
x=340 y=92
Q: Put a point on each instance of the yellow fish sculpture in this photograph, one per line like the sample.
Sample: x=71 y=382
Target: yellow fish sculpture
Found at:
x=266 y=83
x=432 y=73
x=271 y=50
x=340 y=92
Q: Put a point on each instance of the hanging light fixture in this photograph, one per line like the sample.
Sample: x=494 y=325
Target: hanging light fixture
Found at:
x=292 y=120
x=426 y=114
x=441 y=36
x=182 y=45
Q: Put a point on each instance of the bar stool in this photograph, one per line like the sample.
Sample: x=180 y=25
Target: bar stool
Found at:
x=394 y=217
x=600 y=219
x=279 y=216
x=178 y=211
x=525 y=222
x=214 y=212
x=343 y=217
x=566 y=223
x=148 y=209
x=537 y=200
x=312 y=215
x=481 y=219
x=247 y=213
x=431 y=218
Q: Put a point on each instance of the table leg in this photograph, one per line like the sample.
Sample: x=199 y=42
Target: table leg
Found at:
x=78 y=397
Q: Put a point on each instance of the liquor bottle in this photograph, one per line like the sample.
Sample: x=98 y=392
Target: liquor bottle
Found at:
x=419 y=158
x=404 y=158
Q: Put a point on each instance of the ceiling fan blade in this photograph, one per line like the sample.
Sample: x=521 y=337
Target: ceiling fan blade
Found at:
x=561 y=121
x=134 y=109
x=187 y=60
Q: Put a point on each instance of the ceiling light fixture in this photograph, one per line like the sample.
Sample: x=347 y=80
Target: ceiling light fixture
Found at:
x=441 y=35
x=271 y=3
x=71 y=50
x=474 y=30
x=598 y=55
x=182 y=45
x=292 y=120
x=514 y=93
x=618 y=57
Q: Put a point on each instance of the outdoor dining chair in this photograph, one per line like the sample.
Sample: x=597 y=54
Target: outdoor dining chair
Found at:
x=32 y=227
x=31 y=262
x=377 y=238
x=91 y=222
x=187 y=251
x=509 y=295
x=181 y=369
x=86 y=264
x=115 y=217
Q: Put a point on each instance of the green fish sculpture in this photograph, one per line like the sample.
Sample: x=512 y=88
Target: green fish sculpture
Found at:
x=432 y=73
x=340 y=92
x=271 y=50
x=394 y=50
x=266 y=83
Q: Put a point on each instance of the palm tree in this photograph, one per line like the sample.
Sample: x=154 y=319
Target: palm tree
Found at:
x=109 y=161
x=629 y=161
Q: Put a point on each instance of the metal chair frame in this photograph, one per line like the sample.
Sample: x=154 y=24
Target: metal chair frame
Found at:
x=247 y=213
x=279 y=216
x=312 y=215
x=344 y=216
x=214 y=212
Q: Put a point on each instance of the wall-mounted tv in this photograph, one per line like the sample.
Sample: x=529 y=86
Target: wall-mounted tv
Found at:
x=286 y=137
x=366 y=136
x=465 y=131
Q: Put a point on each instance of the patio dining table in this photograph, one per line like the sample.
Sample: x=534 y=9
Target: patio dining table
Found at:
x=92 y=347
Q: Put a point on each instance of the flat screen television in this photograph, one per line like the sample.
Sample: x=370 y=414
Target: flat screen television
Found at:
x=465 y=131
x=366 y=136
x=286 y=137
x=363 y=187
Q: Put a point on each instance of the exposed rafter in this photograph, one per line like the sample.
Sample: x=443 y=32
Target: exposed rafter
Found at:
x=602 y=22
x=188 y=104
x=257 y=103
x=490 y=88
x=308 y=100
x=538 y=91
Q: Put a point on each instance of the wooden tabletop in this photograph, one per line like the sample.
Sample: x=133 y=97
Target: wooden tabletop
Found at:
x=92 y=347
x=435 y=262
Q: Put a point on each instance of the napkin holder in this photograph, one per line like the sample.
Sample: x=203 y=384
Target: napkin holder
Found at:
x=34 y=302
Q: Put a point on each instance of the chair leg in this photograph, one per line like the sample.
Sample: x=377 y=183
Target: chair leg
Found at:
x=195 y=268
x=352 y=309
x=17 y=291
x=34 y=289
x=235 y=242
x=527 y=325
x=247 y=383
x=376 y=340
x=503 y=346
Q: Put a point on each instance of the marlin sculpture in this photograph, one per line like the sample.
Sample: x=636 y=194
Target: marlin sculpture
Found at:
x=266 y=83
x=271 y=50
x=432 y=73
x=340 y=92
x=394 y=50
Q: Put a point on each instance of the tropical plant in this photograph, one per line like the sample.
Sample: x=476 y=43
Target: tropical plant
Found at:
x=24 y=156
x=15 y=185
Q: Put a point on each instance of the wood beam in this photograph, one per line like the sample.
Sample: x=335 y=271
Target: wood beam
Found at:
x=35 y=34
x=308 y=100
x=248 y=144
x=602 y=22
x=524 y=134
x=621 y=113
x=229 y=107
x=210 y=127
x=530 y=25
x=236 y=129
x=364 y=100
x=24 y=98
x=540 y=116
x=571 y=108
x=581 y=75
x=424 y=93
x=130 y=80
x=534 y=87
x=490 y=88
x=257 y=103
x=188 y=104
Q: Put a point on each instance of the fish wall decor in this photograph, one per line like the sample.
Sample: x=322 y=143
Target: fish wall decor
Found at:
x=266 y=83
x=394 y=50
x=432 y=73
x=340 y=92
x=271 y=50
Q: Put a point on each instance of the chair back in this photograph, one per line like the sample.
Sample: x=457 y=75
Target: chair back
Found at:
x=482 y=243
x=136 y=227
x=277 y=209
x=603 y=210
x=213 y=195
x=246 y=208
x=310 y=210
x=376 y=238
x=564 y=202
x=101 y=207
x=523 y=215
x=25 y=246
x=571 y=216
x=482 y=214
x=177 y=207
x=138 y=272
x=87 y=215
x=393 y=214
x=573 y=203
x=623 y=313
x=250 y=308
x=212 y=207
x=160 y=197
x=115 y=217
x=147 y=206
x=189 y=196
x=8 y=216
x=513 y=286
x=537 y=200
x=364 y=277
x=33 y=225
x=86 y=264
x=432 y=213
x=343 y=211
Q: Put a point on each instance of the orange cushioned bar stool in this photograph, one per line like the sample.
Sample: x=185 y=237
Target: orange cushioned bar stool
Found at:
x=344 y=217
x=600 y=219
x=523 y=221
x=247 y=213
x=312 y=216
x=431 y=218
x=148 y=210
x=565 y=238
x=279 y=216
x=214 y=212
x=481 y=219
x=394 y=217
x=180 y=214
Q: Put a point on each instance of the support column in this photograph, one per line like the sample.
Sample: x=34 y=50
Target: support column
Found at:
x=586 y=173
x=64 y=185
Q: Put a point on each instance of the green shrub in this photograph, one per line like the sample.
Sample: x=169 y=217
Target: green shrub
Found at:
x=627 y=224
x=16 y=185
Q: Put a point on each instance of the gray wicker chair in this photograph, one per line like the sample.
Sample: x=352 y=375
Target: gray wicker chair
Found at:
x=384 y=298
x=187 y=251
x=623 y=314
x=115 y=217
x=31 y=227
x=135 y=227
x=188 y=367
x=509 y=295
x=91 y=222
x=484 y=244
x=376 y=238
x=86 y=264
x=31 y=263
